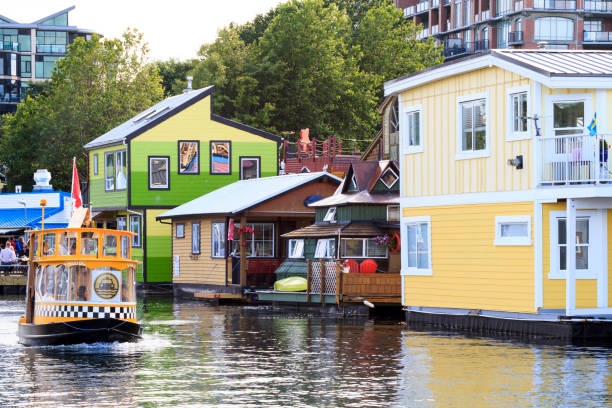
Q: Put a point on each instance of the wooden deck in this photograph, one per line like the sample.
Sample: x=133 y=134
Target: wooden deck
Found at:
x=376 y=287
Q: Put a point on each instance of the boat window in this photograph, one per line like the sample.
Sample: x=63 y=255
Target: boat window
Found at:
x=48 y=285
x=127 y=285
x=125 y=246
x=61 y=282
x=39 y=282
x=110 y=245
x=89 y=243
x=35 y=246
x=49 y=244
x=67 y=244
x=80 y=282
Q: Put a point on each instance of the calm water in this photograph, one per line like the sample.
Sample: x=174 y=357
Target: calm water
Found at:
x=197 y=355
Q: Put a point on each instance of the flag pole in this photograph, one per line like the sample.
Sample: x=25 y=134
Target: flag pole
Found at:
x=72 y=186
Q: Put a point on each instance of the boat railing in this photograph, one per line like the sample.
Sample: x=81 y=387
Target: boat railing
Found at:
x=82 y=243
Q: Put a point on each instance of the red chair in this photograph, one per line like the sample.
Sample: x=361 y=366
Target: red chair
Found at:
x=352 y=265
x=368 y=266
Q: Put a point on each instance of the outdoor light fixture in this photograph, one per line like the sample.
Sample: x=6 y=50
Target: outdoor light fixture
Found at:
x=516 y=162
x=25 y=209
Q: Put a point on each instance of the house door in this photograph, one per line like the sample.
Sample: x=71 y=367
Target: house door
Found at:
x=235 y=270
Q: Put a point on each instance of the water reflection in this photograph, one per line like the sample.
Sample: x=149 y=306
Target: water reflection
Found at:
x=196 y=355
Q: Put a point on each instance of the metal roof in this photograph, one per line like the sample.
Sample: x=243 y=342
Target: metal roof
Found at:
x=149 y=117
x=243 y=194
x=561 y=62
x=6 y=22
x=351 y=229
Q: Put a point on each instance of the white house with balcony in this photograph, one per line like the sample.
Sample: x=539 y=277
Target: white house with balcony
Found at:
x=506 y=184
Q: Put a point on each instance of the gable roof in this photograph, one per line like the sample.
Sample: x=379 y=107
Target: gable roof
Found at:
x=162 y=111
x=42 y=20
x=552 y=68
x=243 y=194
x=367 y=175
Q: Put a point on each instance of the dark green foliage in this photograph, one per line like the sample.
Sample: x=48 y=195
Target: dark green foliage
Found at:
x=174 y=75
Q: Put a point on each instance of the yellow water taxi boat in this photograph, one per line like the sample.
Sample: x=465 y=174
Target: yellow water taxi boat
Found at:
x=81 y=288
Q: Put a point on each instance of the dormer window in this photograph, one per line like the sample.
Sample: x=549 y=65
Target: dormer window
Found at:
x=352 y=184
x=331 y=215
x=389 y=178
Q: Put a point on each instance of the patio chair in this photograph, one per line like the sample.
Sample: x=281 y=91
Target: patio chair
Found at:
x=368 y=266
x=352 y=265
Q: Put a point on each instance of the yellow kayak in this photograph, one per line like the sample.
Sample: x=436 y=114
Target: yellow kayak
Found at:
x=291 y=284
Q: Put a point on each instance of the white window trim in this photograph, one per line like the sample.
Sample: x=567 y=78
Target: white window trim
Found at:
x=406 y=271
x=551 y=99
x=199 y=241
x=95 y=164
x=106 y=154
x=594 y=246
x=364 y=250
x=399 y=210
x=330 y=215
x=394 y=181
x=138 y=235
x=407 y=149
x=164 y=186
x=461 y=155
x=512 y=241
x=326 y=241
x=212 y=239
x=289 y=248
x=512 y=136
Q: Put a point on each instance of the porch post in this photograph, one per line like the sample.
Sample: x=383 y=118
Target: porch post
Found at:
x=243 y=260
x=570 y=265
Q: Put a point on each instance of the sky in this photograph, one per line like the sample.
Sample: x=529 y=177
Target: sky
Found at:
x=173 y=28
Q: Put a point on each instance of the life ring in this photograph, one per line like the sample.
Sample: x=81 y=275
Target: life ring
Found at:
x=398 y=244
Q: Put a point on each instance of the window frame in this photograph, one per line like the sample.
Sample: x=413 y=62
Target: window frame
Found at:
x=125 y=220
x=331 y=215
x=199 y=240
x=257 y=158
x=414 y=271
x=511 y=135
x=289 y=241
x=404 y=130
x=399 y=213
x=176 y=230
x=167 y=186
x=210 y=161
x=95 y=164
x=138 y=235
x=178 y=161
x=117 y=153
x=472 y=154
x=364 y=249
x=551 y=100
x=512 y=241
x=597 y=230
x=394 y=181
x=252 y=239
x=327 y=247
x=212 y=239
x=106 y=154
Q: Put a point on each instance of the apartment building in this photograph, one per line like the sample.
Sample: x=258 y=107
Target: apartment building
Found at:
x=28 y=53
x=472 y=26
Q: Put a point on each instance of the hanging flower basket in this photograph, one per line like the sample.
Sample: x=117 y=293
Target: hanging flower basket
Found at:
x=244 y=230
x=385 y=241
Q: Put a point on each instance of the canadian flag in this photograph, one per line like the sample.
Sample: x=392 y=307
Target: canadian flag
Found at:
x=75 y=193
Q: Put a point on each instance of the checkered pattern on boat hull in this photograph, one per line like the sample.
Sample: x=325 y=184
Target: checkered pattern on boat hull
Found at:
x=86 y=312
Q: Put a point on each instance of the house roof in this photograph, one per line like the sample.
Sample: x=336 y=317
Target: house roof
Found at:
x=162 y=111
x=6 y=22
x=351 y=229
x=553 y=68
x=366 y=175
x=243 y=194
x=13 y=215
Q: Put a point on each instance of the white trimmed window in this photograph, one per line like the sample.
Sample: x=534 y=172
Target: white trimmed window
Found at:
x=412 y=130
x=389 y=178
x=195 y=237
x=513 y=230
x=218 y=240
x=472 y=126
x=326 y=248
x=416 y=246
x=330 y=215
x=136 y=227
x=518 y=111
x=589 y=232
x=362 y=248
x=296 y=248
x=393 y=213
x=159 y=178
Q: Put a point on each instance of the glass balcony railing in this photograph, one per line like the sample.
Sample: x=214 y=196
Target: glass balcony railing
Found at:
x=515 y=37
x=435 y=3
x=10 y=46
x=554 y=4
x=597 y=36
x=455 y=47
x=11 y=97
x=409 y=11
x=51 y=49
x=435 y=29
x=422 y=6
x=601 y=6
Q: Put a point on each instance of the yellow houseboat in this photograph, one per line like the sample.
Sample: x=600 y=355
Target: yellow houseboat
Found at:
x=80 y=288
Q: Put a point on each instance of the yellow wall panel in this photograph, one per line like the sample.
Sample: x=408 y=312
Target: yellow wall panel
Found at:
x=468 y=270
x=435 y=171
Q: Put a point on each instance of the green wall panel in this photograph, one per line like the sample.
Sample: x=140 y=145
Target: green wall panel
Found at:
x=184 y=188
x=159 y=259
x=97 y=196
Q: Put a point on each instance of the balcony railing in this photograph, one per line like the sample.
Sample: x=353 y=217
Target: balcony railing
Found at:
x=597 y=36
x=435 y=3
x=575 y=159
x=435 y=29
x=602 y=6
x=423 y=34
x=422 y=6
x=10 y=46
x=456 y=48
x=485 y=15
x=410 y=11
x=554 y=4
x=515 y=37
x=481 y=45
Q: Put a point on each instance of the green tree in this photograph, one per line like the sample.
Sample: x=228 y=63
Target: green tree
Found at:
x=97 y=86
x=174 y=75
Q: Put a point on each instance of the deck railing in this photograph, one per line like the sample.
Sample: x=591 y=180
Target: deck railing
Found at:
x=555 y=4
x=575 y=159
x=602 y=6
x=597 y=36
